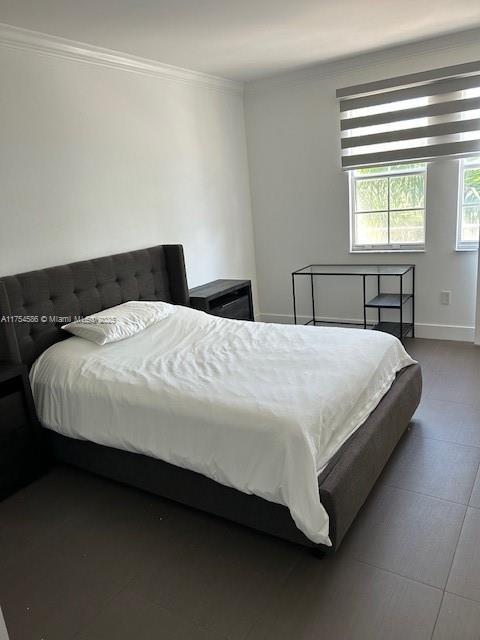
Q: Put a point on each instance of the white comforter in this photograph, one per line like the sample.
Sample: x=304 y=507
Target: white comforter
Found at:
x=259 y=407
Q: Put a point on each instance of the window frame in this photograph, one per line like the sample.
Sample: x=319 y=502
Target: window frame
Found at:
x=389 y=247
x=464 y=245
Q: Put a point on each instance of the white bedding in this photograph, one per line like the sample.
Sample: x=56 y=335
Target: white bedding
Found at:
x=259 y=407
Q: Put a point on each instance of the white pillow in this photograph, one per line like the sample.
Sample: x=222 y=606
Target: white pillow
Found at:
x=120 y=322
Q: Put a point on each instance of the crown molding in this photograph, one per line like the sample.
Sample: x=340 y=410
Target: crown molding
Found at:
x=369 y=60
x=45 y=44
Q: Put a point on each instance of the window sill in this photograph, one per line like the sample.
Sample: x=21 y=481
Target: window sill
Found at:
x=353 y=251
x=463 y=249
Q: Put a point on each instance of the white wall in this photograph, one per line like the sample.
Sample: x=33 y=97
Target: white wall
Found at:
x=300 y=193
x=97 y=160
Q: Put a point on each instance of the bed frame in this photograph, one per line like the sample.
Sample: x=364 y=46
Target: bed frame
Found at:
x=49 y=295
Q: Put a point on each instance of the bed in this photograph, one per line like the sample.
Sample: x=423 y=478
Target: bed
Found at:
x=218 y=411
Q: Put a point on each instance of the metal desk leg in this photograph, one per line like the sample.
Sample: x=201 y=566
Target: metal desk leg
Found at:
x=364 y=303
x=313 y=298
x=413 y=302
x=294 y=301
x=401 y=308
x=378 y=293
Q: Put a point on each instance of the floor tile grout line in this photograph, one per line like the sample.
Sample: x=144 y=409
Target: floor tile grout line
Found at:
x=473 y=486
x=451 y=564
x=117 y=592
x=433 y=398
x=277 y=594
x=437 y=616
x=158 y=605
x=427 y=495
x=194 y=622
x=457 y=595
x=455 y=553
x=395 y=573
x=458 y=444
x=424 y=437
x=210 y=628
x=95 y=615
x=469 y=405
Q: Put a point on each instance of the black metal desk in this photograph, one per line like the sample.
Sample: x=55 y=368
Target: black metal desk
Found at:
x=381 y=301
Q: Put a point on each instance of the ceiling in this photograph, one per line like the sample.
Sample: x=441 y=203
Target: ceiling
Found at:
x=242 y=39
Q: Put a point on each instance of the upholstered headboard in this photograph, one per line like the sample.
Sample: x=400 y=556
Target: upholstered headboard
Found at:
x=33 y=304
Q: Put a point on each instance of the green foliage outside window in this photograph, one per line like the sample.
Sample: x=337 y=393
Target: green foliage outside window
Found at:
x=471 y=203
x=389 y=209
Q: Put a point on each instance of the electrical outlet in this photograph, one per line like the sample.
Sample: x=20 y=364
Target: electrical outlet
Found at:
x=445 y=297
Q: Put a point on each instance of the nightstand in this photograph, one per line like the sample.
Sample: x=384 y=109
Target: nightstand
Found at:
x=224 y=298
x=20 y=445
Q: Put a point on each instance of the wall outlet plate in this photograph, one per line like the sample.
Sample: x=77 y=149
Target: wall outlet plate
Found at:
x=445 y=297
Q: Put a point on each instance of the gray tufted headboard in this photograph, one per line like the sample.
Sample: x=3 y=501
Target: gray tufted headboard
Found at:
x=79 y=289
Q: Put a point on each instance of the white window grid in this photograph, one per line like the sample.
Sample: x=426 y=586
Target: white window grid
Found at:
x=388 y=247
x=465 y=245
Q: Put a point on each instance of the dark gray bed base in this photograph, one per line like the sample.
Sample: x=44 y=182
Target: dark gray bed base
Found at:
x=344 y=485
x=158 y=273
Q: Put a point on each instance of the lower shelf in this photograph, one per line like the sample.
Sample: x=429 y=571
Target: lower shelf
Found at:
x=394 y=328
x=387 y=327
x=326 y=323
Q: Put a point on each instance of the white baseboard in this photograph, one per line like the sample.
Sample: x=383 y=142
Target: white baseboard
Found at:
x=445 y=332
x=422 y=330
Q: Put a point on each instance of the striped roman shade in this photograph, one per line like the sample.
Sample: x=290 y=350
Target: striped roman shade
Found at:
x=412 y=118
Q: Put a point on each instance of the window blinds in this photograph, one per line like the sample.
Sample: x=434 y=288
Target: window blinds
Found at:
x=412 y=118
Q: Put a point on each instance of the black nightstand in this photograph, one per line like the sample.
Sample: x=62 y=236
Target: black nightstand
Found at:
x=20 y=445
x=225 y=298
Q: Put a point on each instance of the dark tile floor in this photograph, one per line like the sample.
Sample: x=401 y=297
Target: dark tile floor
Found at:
x=84 y=558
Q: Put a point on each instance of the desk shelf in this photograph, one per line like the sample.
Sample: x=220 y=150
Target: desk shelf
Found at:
x=388 y=301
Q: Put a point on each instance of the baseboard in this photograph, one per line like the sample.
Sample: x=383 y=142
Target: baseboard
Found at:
x=422 y=330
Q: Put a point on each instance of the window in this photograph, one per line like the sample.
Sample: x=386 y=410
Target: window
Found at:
x=387 y=206
x=468 y=204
